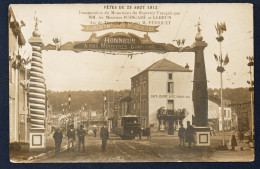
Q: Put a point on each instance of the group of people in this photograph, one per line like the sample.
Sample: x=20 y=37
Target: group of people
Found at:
x=186 y=135
x=145 y=132
x=81 y=133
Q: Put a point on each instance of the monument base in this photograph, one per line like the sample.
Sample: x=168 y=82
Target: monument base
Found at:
x=202 y=136
x=37 y=140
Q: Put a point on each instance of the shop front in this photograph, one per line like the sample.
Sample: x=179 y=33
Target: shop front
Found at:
x=170 y=120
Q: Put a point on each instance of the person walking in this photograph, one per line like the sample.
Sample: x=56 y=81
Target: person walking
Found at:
x=241 y=136
x=148 y=132
x=95 y=132
x=181 y=134
x=81 y=136
x=233 y=141
x=104 y=135
x=189 y=134
x=140 y=133
x=57 y=136
x=71 y=137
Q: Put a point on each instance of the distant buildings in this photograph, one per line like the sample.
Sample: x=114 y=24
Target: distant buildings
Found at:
x=243 y=111
x=162 y=96
x=215 y=117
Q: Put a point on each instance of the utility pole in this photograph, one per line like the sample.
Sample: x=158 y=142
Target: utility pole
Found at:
x=251 y=89
x=220 y=28
x=104 y=106
x=140 y=97
x=108 y=102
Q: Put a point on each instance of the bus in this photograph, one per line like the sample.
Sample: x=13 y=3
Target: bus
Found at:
x=128 y=126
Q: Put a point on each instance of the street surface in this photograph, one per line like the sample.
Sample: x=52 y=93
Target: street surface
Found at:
x=158 y=149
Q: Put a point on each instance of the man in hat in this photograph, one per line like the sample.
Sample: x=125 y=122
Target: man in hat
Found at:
x=81 y=136
x=181 y=134
x=71 y=137
x=57 y=136
x=189 y=134
x=104 y=135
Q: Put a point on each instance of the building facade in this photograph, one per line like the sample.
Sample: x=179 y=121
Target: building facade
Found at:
x=162 y=96
x=18 y=73
x=215 y=117
x=243 y=112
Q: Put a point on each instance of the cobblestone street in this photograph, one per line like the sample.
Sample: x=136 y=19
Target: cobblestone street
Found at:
x=159 y=149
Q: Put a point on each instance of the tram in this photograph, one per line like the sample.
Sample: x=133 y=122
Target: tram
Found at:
x=128 y=126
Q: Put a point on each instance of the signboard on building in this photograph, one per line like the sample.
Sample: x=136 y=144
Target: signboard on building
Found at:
x=118 y=41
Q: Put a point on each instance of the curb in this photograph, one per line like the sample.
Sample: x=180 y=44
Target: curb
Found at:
x=44 y=155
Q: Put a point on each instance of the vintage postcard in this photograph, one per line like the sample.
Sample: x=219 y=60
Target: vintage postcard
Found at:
x=131 y=83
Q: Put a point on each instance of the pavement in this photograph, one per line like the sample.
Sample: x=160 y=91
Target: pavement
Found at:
x=30 y=156
x=161 y=148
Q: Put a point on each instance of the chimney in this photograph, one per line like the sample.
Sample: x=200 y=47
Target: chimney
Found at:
x=187 y=66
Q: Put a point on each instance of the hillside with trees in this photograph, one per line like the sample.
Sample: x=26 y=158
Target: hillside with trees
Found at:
x=237 y=95
x=93 y=99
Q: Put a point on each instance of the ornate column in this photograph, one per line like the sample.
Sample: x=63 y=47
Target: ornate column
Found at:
x=37 y=95
x=200 y=89
x=200 y=93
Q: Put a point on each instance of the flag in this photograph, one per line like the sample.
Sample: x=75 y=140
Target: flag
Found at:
x=178 y=42
x=183 y=41
x=226 y=60
x=216 y=29
x=216 y=57
x=223 y=26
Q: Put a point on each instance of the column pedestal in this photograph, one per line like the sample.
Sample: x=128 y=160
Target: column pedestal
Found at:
x=202 y=136
x=37 y=140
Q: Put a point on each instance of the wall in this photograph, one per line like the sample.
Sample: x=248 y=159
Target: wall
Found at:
x=213 y=110
x=227 y=118
x=13 y=117
x=140 y=96
x=159 y=96
x=17 y=102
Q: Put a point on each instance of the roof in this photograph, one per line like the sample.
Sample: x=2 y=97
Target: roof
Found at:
x=126 y=99
x=15 y=26
x=165 y=65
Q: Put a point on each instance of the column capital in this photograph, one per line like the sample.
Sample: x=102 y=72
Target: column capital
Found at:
x=35 y=40
x=200 y=44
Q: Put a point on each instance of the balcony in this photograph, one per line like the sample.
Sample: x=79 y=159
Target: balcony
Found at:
x=165 y=113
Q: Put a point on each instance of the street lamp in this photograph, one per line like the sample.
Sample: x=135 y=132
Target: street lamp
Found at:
x=220 y=28
x=251 y=89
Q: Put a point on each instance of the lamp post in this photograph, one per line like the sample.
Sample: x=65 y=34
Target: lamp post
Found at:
x=220 y=28
x=251 y=89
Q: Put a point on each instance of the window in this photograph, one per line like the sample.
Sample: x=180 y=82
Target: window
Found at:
x=170 y=87
x=12 y=78
x=144 y=88
x=170 y=105
x=225 y=113
x=170 y=76
x=144 y=105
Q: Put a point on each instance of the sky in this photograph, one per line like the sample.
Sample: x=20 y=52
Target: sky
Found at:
x=67 y=70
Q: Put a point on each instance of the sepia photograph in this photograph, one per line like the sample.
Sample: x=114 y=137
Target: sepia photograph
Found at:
x=120 y=83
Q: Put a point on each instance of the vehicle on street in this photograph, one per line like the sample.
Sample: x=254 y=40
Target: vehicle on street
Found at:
x=128 y=126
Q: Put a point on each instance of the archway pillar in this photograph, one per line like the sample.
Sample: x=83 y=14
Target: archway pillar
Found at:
x=200 y=94
x=37 y=95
